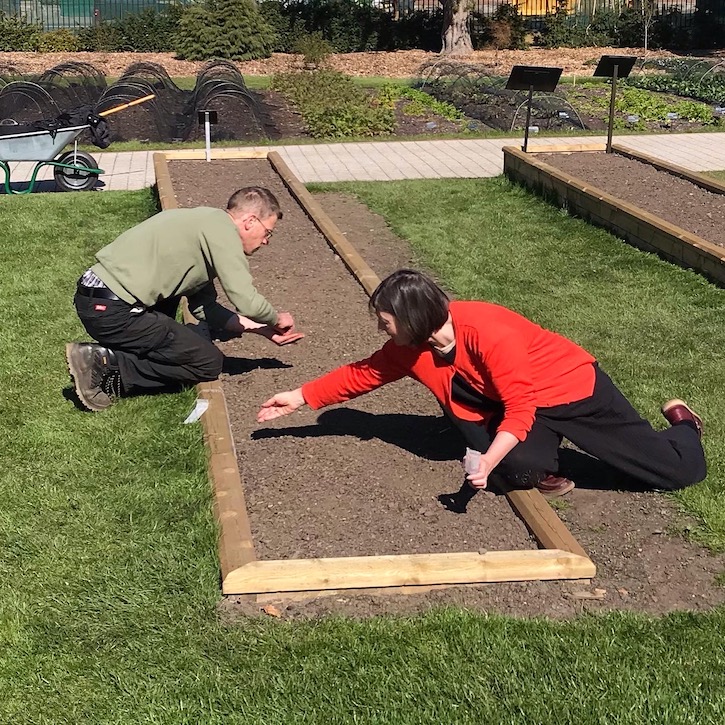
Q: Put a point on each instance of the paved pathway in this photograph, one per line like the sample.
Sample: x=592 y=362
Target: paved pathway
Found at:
x=384 y=161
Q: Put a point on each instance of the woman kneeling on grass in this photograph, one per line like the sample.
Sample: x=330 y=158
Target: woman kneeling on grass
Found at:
x=512 y=388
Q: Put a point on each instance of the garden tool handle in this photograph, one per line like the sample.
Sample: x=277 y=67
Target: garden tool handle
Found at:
x=127 y=105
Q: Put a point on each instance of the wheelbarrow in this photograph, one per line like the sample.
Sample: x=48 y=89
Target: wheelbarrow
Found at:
x=73 y=170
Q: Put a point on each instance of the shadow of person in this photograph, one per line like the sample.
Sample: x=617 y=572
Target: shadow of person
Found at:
x=427 y=436
x=241 y=365
x=457 y=502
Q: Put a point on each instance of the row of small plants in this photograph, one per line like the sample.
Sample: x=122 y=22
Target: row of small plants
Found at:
x=417 y=102
x=332 y=106
x=710 y=89
x=641 y=104
x=649 y=106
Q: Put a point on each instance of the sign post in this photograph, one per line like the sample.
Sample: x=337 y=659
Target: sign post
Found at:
x=207 y=118
x=614 y=67
x=532 y=78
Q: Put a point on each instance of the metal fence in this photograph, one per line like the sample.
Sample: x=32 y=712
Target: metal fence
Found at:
x=53 y=14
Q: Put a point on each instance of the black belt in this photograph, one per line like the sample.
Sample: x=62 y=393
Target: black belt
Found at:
x=100 y=292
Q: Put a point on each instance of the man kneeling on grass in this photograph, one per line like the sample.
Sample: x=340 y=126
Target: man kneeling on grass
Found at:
x=512 y=388
x=128 y=300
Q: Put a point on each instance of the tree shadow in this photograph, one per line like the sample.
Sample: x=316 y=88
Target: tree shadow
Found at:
x=427 y=436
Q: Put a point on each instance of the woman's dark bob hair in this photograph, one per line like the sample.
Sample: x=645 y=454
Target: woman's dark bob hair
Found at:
x=419 y=305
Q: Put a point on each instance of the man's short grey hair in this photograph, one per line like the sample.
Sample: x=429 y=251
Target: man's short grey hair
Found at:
x=254 y=200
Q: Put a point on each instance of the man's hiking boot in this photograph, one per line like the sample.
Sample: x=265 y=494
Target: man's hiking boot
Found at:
x=678 y=412
x=554 y=486
x=95 y=373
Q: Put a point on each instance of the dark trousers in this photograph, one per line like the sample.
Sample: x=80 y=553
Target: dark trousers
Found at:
x=153 y=350
x=606 y=426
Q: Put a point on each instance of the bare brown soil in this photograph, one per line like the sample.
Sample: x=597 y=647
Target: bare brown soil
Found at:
x=365 y=478
x=669 y=197
x=398 y=64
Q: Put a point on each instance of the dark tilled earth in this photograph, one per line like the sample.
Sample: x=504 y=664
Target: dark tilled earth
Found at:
x=363 y=479
x=675 y=200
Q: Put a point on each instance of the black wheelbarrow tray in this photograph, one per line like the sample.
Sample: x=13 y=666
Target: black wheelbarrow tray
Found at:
x=73 y=171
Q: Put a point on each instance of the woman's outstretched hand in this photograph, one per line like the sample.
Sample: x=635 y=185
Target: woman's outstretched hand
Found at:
x=281 y=404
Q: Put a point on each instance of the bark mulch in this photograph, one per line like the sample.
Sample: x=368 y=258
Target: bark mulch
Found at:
x=364 y=478
x=396 y=64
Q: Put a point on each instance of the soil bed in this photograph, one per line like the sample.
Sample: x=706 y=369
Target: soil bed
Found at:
x=669 y=197
x=364 y=478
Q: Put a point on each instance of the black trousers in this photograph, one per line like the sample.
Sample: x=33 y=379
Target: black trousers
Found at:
x=153 y=350
x=606 y=426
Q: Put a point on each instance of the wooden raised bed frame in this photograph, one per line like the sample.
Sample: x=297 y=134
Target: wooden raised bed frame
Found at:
x=638 y=227
x=561 y=557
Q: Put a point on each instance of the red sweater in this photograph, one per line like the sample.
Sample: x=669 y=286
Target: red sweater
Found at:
x=498 y=352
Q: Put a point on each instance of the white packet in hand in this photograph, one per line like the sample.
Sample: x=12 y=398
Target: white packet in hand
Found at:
x=472 y=460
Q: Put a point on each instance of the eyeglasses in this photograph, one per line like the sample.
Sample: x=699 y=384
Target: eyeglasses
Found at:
x=267 y=232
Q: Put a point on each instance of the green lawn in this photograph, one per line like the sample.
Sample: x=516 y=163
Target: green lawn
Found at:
x=108 y=572
x=717 y=174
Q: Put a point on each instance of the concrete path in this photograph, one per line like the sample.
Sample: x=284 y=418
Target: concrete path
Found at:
x=384 y=161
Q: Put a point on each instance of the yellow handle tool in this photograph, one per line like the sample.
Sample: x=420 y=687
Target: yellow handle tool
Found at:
x=127 y=105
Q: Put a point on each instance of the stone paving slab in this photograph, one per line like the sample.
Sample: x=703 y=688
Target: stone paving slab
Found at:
x=383 y=161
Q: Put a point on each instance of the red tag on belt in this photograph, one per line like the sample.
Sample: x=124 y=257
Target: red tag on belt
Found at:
x=99 y=308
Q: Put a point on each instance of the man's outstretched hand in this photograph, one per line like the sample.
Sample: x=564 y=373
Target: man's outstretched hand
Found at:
x=279 y=334
x=277 y=337
x=281 y=404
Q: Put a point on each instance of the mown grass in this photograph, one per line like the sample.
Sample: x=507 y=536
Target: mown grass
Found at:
x=717 y=174
x=108 y=571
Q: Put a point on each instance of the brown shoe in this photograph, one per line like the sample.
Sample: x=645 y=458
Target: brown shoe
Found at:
x=678 y=412
x=95 y=374
x=555 y=486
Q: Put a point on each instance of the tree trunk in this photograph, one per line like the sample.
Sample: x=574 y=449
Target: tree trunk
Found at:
x=456 y=35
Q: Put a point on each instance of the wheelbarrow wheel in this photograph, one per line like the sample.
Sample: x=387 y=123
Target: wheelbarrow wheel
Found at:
x=79 y=178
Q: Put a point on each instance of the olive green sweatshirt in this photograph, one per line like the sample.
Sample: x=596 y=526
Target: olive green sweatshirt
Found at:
x=180 y=252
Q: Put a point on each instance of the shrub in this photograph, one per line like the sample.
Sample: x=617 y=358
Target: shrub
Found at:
x=104 y=37
x=58 y=41
x=332 y=106
x=506 y=28
x=148 y=31
x=232 y=29
x=273 y=13
x=418 y=102
x=16 y=34
x=315 y=50
x=351 y=25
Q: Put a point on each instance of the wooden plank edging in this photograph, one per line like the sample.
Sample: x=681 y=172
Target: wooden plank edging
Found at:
x=624 y=219
x=335 y=238
x=564 y=148
x=236 y=547
x=242 y=574
x=361 y=572
x=705 y=182
x=216 y=154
